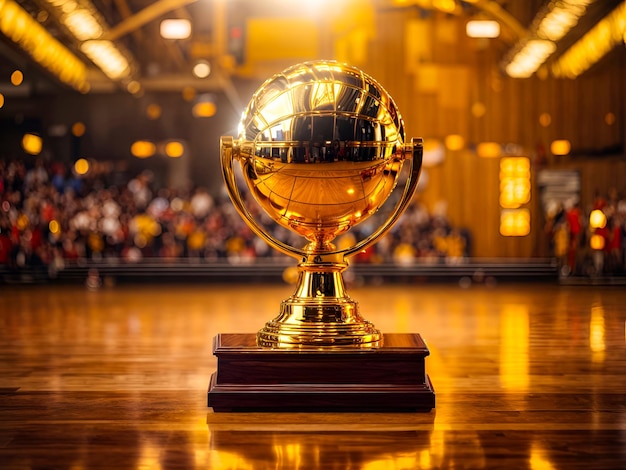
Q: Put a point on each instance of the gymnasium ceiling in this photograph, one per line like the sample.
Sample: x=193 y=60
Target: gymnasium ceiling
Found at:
x=238 y=38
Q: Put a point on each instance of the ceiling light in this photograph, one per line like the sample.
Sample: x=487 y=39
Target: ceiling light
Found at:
x=551 y=24
x=83 y=20
x=82 y=25
x=202 y=69
x=17 y=24
x=482 y=29
x=529 y=58
x=604 y=36
x=560 y=17
x=175 y=29
x=106 y=56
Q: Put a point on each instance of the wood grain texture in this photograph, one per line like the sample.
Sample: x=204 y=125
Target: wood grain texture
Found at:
x=527 y=376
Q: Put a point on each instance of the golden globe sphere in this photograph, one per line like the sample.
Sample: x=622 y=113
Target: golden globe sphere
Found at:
x=323 y=140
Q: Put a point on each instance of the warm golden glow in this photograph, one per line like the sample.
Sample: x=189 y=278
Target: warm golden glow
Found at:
x=204 y=109
x=478 y=109
x=133 y=87
x=514 y=338
x=153 y=111
x=597 y=330
x=538 y=459
x=553 y=21
x=108 y=57
x=482 y=29
x=514 y=192
x=17 y=77
x=560 y=147
x=324 y=94
x=20 y=27
x=177 y=28
x=545 y=119
x=22 y=222
x=434 y=153
x=514 y=222
x=609 y=118
x=447 y=6
x=266 y=37
x=143 y=149
x=89 y=28
x=189 y=93
x=223 y=459
x=202 y=69
x=83 y=25
x=174 y=149
x=489 y=149
x=149 y=456
x=454 y=142
x=604 y=36
x=515 y=167
x=81 y=166
x=597 y=219
x=529 y=58
x=54 y=227
x=395 y=462
x=78 y=129
x=597 y=242
x=1 y=100
x=560 y=18
x=514 y=182
x=32 y=144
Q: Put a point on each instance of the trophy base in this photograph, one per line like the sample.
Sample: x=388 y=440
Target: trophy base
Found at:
x=391 y=378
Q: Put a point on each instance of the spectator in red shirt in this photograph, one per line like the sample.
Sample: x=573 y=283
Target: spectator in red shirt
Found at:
x=574 y=222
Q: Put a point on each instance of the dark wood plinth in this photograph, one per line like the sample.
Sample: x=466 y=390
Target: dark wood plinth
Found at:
x=254 y=378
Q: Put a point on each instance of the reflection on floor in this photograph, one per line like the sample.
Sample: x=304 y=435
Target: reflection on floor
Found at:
x=526 y=376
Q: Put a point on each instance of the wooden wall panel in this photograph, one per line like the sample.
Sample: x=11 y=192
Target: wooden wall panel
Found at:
x=435 y=96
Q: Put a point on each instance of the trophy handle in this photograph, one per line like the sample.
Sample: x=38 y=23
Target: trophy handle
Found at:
x=226 y=157
x=416 y=154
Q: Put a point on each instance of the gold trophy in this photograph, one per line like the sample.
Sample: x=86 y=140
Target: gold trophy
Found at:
x=321 y=148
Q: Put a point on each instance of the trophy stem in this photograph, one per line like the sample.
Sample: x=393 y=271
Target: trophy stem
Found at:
x=320 y=314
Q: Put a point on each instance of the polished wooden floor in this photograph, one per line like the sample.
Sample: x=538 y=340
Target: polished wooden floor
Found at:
x=526 y=376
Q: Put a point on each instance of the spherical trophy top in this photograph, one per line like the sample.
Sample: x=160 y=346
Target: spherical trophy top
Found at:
x=321 y=146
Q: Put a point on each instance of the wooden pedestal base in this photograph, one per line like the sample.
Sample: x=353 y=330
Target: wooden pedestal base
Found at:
x=388 y=379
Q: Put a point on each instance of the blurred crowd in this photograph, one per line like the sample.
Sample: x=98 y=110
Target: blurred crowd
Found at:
x=50 y=217
x=590 y=241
